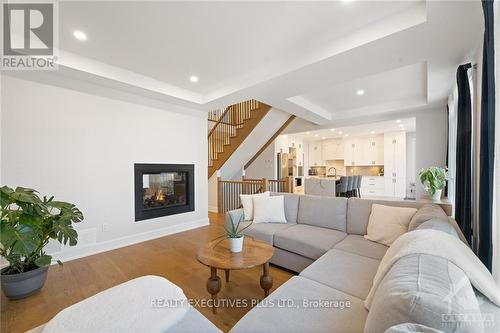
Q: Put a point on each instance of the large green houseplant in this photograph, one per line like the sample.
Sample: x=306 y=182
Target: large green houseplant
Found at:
x=434 y=180
x=27 y=224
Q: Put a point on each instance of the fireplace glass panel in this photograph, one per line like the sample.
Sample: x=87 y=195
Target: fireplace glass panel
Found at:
x=165 y=189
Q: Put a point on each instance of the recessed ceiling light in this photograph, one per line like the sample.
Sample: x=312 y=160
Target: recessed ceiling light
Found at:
x=80 y=35
x=323 y=137
x=402 y=128
x=346 y=134
x=398 y=121
x=372 y=132
x=340 y=132
x=333 y=130
x=360 y=92
x=316 y=135
x=194 y=78
x=308 y=133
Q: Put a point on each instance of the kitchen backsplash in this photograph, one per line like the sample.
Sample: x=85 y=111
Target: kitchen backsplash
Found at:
x=339 y=165
x=364 y=170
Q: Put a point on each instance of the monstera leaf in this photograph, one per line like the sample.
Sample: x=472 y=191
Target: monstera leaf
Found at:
x=43 y=260
x=21 y=239
x=65 y=233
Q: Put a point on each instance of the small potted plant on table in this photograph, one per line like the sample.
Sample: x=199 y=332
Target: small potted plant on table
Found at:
x=234 y=232
x=434 y=180
x=27 y=223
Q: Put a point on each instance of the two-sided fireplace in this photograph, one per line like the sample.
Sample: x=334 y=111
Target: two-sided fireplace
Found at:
x=163 y=189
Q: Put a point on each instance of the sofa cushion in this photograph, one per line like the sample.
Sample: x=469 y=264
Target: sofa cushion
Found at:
x=291 y=206
x=439 y=224
x=269 y=210
x=426 y=290
x=359 y=245
x=411 y=328
x=265 y=231
x=426 y=213
x=359 y=210
x=247 y=203
x=307 y=240
x=326 y=212
x=305 y=312
x=347 y=272
x=387 y=223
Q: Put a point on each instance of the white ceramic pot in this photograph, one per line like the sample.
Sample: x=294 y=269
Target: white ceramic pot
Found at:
x=437 y=196
x=236 y=244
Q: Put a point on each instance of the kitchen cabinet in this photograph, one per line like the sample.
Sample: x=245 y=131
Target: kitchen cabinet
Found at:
x=333 y=149
x=395 y=164
x=316 y=154
x=373 y=186
x=373 y=151
x=365 y=151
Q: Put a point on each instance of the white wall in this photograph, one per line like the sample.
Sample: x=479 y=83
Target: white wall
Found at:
x=81 y=148
x=265 y=165
x=432 y=138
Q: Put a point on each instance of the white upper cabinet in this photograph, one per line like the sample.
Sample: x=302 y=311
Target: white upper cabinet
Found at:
x=373 y=150
x=333 y=149
x=364 y=151
x=395 y=164
x=316 y=154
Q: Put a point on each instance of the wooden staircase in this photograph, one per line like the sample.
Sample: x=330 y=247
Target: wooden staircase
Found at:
x=229 y=128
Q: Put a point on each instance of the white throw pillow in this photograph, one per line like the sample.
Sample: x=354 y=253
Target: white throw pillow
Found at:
x=387 y=223
x=269 y=209
x=247 y=202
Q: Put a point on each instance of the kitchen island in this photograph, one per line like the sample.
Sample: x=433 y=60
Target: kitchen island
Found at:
x=324 y=186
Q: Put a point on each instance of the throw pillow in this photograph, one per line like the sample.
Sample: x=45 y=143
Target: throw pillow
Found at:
x=269 y=209
x=247 y=203
x=426 y=213
x=387 y=223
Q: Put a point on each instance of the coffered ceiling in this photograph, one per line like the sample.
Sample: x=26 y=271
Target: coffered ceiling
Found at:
x=306 y=58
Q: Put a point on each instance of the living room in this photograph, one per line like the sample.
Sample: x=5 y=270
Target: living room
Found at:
x=249 y=166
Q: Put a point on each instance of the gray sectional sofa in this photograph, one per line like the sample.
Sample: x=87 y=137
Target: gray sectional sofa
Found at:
x=323 y=241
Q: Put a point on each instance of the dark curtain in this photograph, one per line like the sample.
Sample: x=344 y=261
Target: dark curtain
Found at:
x=447 y=146
x=487 y=148
x=463 y=191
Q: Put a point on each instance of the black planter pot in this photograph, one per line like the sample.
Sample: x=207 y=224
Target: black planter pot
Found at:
x=17 y=286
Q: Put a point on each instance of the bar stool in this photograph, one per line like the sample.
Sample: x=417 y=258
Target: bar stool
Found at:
x=350 y=183
x=341 y=188
x=359 y=186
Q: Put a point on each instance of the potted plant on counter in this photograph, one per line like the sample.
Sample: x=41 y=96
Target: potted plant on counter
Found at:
x=434 y=180
x=27 y=223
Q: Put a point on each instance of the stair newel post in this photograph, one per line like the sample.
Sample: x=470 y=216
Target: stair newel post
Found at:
x=265 y=185
x=219 y=192
x=285 y=183
x=290 y=184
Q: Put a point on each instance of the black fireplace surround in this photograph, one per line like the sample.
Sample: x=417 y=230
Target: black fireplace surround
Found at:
x=163 y=189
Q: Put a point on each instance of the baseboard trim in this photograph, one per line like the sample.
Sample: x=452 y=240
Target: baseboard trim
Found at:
x=213 y=209
x=74 y=252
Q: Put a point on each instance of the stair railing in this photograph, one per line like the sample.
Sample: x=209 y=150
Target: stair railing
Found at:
x=228 y=121
x=228 y=191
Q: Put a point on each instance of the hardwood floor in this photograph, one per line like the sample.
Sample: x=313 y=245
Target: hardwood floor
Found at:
x=173 y=257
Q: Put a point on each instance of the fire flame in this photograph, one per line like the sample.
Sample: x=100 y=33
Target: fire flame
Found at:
x=160 y=196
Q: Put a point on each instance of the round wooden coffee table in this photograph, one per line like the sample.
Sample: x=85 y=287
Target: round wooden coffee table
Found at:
x=218 y=256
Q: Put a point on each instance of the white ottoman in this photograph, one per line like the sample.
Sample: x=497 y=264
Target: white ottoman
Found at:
x=146 y=304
